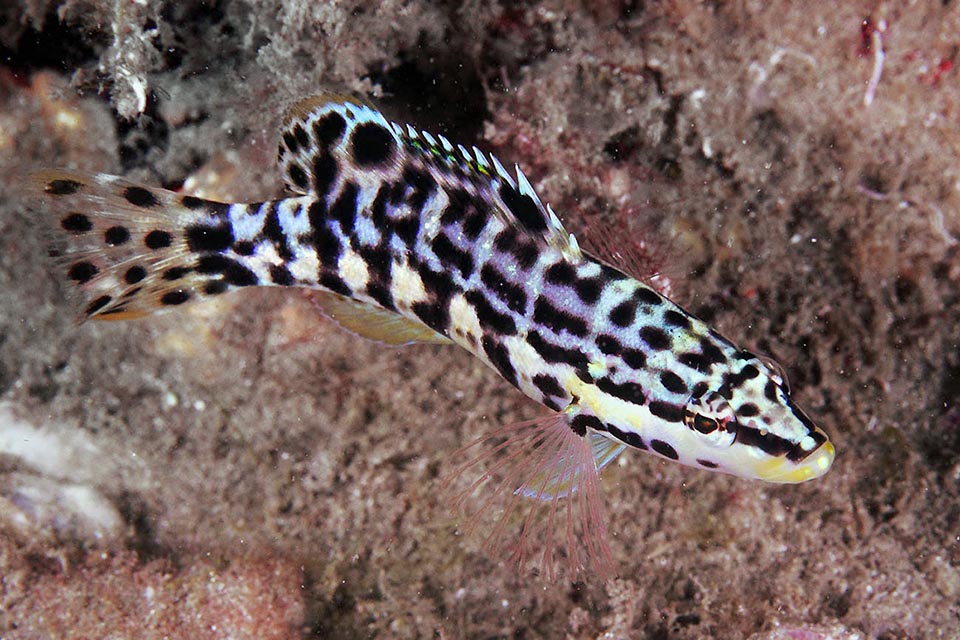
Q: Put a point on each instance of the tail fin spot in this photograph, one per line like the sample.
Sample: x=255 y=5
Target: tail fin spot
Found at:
x=76 y=223
x=140 y=197
x=201 y=238
x=135 y=274
x=115 y=236
x=62 y=187
x=177 y=296
x=98 y=304
x=157 y=239
x=82 y=272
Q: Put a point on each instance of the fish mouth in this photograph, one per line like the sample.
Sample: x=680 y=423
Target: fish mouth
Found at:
x=811 y=467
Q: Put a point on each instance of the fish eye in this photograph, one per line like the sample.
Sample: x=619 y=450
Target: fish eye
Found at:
x=713 y=418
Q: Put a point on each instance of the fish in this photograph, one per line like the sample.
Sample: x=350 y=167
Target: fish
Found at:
x=404 y=237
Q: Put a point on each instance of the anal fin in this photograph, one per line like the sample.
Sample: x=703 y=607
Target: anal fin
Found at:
x=372 y=322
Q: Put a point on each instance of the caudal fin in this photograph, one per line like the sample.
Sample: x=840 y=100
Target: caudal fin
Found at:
x=124 y=247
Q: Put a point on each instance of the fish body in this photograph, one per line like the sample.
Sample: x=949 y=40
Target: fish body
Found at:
x=409 y=237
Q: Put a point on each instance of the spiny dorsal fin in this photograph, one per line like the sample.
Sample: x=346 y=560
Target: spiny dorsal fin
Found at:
x=320 y=134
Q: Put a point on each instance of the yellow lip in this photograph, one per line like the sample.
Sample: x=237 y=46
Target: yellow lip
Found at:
x=813 y=466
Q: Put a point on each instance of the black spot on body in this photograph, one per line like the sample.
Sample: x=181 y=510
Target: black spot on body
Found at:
x=548 y=315
x=158 y=239
x=561 y=273
x=324 y=173
x=623 y=314
x=490 y=318
x=500 y=358
x=628 y=391
x=134 y=274
x=748 y=410
x=201 y=238
x=76 y=223
x=589 y=289
x=175 y=273
x=453 y=256
x=244 y=248
x=215 y=287
x=524 y=252
x=556 y=353
x=381 y=294
x=749 y=372
x=140 y=197
x=329 y=128
x=523 y=208
x=648 y=296
x=627 y=437
x=582 y=422
x=453 y=213
x=634 y=358
x=712 y=352
x=511 y=294
x=666 y=411
x=82 y=272
x=655 y=337
x=474 y=224
x=335 y=284
x=664 y=449
x=609 y=345
x=62 y=187
x=378 y=259
x=98 y=304
x=175 y=297
x=433 y=315
x=235 y=273
x=273 y=232
x=192 y=202
x=610 y=274
x=116 y=235
x=407 y=229
x=371 y=144
x=548 y=385
x=767 y=442
x=770 y=391
x=423 y=185
x=676 y=319
x=695 y=361
x=699 y=389
x=672 y=382
x=378 y=209
x=707 y=464
x=344 y=209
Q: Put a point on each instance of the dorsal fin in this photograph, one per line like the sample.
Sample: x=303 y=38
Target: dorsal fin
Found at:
x=322 y=126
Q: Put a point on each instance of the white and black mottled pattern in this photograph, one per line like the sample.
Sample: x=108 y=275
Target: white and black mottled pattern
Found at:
x=405 y=222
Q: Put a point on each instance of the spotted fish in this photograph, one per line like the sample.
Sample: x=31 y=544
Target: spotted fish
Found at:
x=408 y=237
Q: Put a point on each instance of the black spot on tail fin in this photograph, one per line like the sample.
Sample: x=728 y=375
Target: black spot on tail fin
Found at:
x=117 y=243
